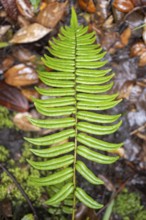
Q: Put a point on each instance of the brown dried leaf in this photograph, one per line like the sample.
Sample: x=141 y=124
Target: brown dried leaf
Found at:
x=21 y=75
x=25 y=8
x=23 y=54
x=123 y=5
x=52 y=14
x=126 y=90
x=28 y=34
x=12 y=98
x=22 y=122
x=87 y=5
x=29 y=93
x=142 y=60
x=125 y=36
x=137 y=49
x=10 y=8
x=7 y=62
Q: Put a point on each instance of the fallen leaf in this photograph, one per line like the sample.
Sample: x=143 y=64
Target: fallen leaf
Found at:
x=52 y=14
x=21 y=75
x=139 y=49
x=28 y=34
x=22 y=122
x=125 y=36
x=7 y=62
x=126 y=89
x=12 y=98
x=25 y=8
x=123 y=5
x=29 y=93
x=87 y=5
x=23 y=54
x=142 y=60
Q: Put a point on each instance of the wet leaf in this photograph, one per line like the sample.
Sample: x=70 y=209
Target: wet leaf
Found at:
x=12 y=98
x=102 y=9
x=25 y=8
x=87 y=5
x=7 y=62
x=23 y=54
x=123 y=5
x=10 y=8
x=22 y=122
x=21 y=75
x=29 y=93
x=125 y=36
x=30 y=33
x=139 y=49
x=126 y=89
x=52 y=14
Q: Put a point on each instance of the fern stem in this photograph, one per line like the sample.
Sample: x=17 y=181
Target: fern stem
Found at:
x=76 y=132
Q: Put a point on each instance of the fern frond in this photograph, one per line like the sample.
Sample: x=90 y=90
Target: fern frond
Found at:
x=77 y=88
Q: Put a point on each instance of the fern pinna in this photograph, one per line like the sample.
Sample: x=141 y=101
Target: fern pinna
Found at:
x=75 y=86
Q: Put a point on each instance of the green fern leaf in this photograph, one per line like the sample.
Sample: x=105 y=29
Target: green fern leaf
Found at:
x=77 y=90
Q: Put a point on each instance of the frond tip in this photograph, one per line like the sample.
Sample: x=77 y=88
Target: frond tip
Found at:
x=77 y=90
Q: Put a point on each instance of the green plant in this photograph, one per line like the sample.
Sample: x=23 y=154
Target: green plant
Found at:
x=128 y=206
x=74 y=97
x=21 y=171
x=5 y=118
x=35 y=3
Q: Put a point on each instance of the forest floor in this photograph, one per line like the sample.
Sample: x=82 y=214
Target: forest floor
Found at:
x=25 y=30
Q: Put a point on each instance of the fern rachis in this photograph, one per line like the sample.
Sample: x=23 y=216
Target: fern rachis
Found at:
x=77 y=88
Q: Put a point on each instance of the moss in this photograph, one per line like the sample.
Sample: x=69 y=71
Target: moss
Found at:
x=4 y=154
x=141 y=215
x=5 y=118
x=128 y=206
x=21 y=171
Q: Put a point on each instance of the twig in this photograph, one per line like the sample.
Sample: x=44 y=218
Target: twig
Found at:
x=138 y=129
x=21 y=190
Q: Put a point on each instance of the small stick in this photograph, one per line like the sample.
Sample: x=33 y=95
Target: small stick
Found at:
x=138 y=129
x=21 y=190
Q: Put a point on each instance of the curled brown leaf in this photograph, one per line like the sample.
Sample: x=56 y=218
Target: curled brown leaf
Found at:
x=12 y=98
x=21 y=75
x=52 y=14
